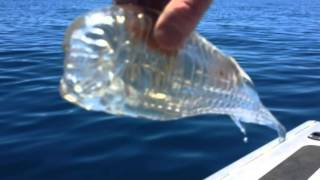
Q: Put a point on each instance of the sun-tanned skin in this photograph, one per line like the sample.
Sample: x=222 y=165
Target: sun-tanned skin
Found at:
x=177 y=19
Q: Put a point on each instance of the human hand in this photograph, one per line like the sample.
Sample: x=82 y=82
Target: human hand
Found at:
x=177 y=20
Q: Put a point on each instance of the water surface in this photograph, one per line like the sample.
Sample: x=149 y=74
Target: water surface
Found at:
x=44 y=137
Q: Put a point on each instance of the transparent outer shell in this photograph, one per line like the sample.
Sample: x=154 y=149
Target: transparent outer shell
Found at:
x=113 y=65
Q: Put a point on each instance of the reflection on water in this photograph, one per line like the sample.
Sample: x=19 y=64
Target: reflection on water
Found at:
x=44 y=137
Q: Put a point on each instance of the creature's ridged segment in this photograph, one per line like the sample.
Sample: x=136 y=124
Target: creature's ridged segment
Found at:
x=112 y=65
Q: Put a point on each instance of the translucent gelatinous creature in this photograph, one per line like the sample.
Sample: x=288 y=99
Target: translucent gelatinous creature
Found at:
x=112 y=64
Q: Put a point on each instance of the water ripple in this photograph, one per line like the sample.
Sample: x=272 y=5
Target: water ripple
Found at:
x=43 y=137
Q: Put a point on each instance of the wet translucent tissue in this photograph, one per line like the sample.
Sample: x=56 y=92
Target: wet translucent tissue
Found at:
x=111 y=66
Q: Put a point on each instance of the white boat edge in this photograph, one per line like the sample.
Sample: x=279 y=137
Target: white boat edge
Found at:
x=259 y=162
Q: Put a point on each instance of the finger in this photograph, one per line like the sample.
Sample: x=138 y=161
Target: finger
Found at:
x=156 y=5
x=177 y=21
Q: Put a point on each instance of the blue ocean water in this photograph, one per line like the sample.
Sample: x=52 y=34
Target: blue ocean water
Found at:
x=44 y=137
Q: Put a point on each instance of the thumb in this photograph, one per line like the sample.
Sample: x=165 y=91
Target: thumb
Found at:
x=177 y=21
